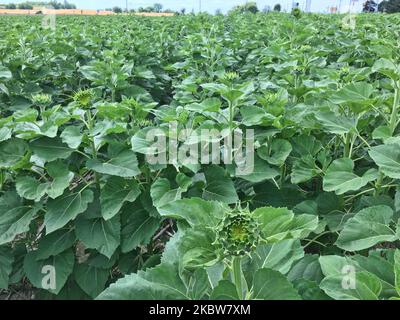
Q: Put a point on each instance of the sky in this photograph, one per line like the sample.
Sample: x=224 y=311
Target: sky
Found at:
x=210 y=5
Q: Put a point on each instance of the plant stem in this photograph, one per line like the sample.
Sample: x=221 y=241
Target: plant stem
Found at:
x=237 y=275
x=378 y=184
x=92 y=144
x=2 y=179
x=113 y=95
x=347 y=151
x=231 y=115
x=396 y=102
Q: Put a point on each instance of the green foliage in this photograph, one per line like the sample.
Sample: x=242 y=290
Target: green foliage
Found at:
x=277 y=7
x=29 y=5
x=296 y=12
x=250 y=7
x=78 y=194
x=389 y=6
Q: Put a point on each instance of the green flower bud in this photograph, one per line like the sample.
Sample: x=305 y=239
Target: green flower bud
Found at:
x=238 y=233
x=230 y=76
x=42 y=100
x=83 y=97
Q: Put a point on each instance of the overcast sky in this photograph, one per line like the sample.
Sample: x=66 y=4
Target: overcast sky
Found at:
x=208 y=5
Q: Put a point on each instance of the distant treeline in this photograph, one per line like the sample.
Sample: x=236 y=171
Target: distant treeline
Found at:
x=28 y=5
x=157 y=7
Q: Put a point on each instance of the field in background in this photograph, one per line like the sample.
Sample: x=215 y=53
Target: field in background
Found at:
x=76 y=12
x=91 y=206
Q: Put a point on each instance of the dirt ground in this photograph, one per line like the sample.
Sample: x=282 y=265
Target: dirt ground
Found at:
x=17 y=293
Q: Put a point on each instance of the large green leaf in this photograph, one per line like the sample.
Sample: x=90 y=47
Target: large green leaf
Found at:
x=72 y=136
x=378 y=263
x=225 y=290
x=304 y=169
x=277 y=153
x=50 y=149
x=12 y=152
x=123 y=165
x=30 y=188
x=309 y=290
x=306 y=268
x=196 y=249
x=115 y=193
x=6 y=261
x=36 y=271
x=160 y=283
x=281 y=223
x=332 y=265
x=260 y=171
x=358 y=93
x=61 y=178
x=55 y=243
x=277 y=256
x=387 y=157
x=14 y=217
x=346 y=280
x=99 y=234
x=195 y=211
x=138 y=227
x=219 y=186
x=334 y=123
x=5 y=134
x=162 y=194
x=387 y=67
x=66 y=208
x=272 y=285
x=141 y=142
x=367 y=228
x=90 y=279
x=341 y=178
x=367 y=287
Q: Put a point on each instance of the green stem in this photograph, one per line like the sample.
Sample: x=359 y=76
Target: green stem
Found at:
x=92 y=144
x=2 y=179
x=283 y=173
x=231 y=115
x=378 y=184
x=113 y=95
x=396 y=102
x=347 y=151
x=237 y=275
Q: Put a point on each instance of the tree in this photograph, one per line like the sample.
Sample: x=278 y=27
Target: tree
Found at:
x=251 y=7
x=370 y=6
x=68 y=5
x=158 y=7
x=25 y=6
x=277 y=7
x=390 y=6
x=11 y=6
x=117 y=10
x=248 y=7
